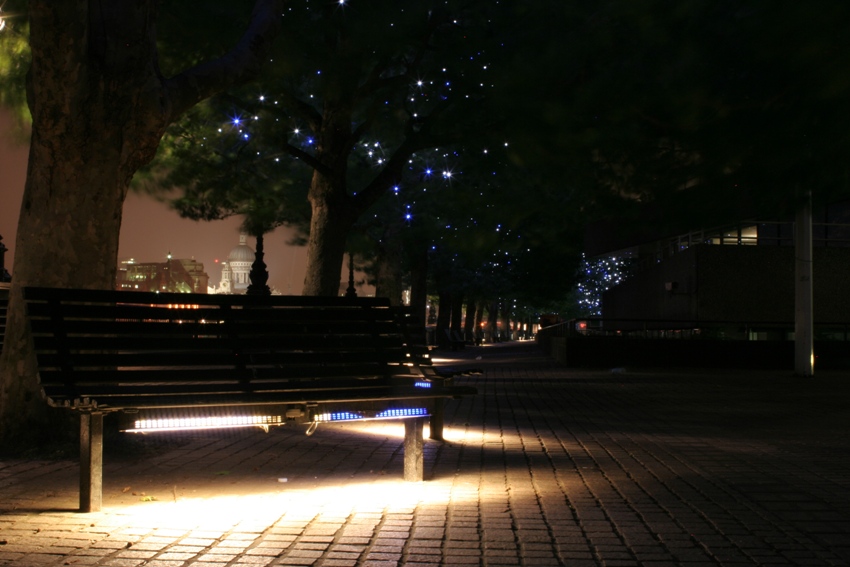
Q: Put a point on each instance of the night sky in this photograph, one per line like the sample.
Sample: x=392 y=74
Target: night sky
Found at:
x=150 y=230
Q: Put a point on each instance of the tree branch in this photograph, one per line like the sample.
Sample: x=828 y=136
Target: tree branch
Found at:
x=236 y=67
x=392 y=171
x=309 y=159
x=312 y=116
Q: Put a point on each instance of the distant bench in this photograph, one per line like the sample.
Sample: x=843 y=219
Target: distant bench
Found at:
x=193 y=361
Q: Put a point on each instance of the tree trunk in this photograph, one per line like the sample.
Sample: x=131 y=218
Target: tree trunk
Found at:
x=507 y=335
x=419 y=283
x=479 y=320
x=389 y=273
x=469 y=321
x=329 y=227
x=333 y=210
x=87 y=141
x=444 y=314
x=457 y=311
x=492 y=322
x=99 y=107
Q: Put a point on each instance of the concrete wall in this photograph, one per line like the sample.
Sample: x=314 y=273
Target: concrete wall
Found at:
x=644 y=296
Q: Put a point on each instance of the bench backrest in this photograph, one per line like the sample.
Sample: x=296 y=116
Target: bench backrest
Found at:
x=133 y=349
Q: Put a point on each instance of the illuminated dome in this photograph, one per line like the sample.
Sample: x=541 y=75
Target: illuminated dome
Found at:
x=242 y=253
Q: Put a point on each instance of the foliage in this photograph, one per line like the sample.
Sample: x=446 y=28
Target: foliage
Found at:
x=14 y=57
x=708 y=109
x=215 y=178
x=502 y=233
x=396 y=70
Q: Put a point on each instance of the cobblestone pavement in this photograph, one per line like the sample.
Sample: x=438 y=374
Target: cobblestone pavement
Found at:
x=545 y=466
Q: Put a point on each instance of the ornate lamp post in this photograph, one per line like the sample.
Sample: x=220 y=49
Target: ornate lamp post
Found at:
x=4 y=275
x=350 y=291
x=259 y=274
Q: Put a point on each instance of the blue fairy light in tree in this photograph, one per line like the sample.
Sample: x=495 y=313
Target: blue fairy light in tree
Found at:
x=598 y=275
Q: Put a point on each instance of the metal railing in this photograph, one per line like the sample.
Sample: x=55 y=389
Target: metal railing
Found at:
x=670 y=329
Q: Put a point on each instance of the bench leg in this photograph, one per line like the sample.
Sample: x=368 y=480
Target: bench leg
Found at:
x=91 y=462
x=414 y=449
x=438 y=414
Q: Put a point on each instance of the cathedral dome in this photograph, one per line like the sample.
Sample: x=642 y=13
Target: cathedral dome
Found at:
x=242 y=253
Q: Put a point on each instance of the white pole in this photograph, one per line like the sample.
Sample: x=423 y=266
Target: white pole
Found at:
x=804 y=357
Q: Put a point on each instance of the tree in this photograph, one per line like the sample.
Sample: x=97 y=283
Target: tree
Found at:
x=496 y=235
x=398 y=79
x=100 y=104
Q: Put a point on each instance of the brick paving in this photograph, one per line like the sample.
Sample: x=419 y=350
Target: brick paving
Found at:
x=546 y=466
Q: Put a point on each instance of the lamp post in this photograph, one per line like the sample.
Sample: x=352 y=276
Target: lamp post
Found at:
x=350 y=291
x=259 y=274
x=4 y=275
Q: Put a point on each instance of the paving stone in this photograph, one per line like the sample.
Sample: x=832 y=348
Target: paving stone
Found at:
x=547 y=465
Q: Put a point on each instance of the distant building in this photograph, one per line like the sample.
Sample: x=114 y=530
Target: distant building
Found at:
x=180 y=276
x=236 y=270
x=737 y=279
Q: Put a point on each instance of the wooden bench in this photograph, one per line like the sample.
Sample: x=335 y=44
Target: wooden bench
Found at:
x=186 y=361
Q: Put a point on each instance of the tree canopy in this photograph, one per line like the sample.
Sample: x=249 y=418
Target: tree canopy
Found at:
x=373 y=87
x=709 y=109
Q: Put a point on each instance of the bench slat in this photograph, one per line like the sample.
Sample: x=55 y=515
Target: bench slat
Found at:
x=156 y=314
x=205 y=343
x=124 y=400
x=129 y=389
x=224 y=375
x=240 y=327
x=145 y=298
x=166 y=359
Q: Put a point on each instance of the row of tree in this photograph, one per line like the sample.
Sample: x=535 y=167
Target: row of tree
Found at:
x=383 y=138
x=366 y=124
x=372 y=139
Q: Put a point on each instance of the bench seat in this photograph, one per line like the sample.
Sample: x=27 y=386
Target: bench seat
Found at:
x=270 y=360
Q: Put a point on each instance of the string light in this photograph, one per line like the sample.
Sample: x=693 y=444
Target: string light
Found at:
x=429 y=177
x=596 y=276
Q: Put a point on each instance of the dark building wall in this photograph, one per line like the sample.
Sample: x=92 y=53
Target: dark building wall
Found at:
x=745 y=283
x=732 y=283
x=645 y=295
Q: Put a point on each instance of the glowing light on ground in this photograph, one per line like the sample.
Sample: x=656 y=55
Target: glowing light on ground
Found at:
x=221 y=512
x=451 y=434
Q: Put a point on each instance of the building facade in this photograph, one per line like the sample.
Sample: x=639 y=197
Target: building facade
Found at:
x=173 y=276
x=739 y=278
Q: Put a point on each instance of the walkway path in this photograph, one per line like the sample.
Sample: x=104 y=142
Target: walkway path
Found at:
x=546 y=466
